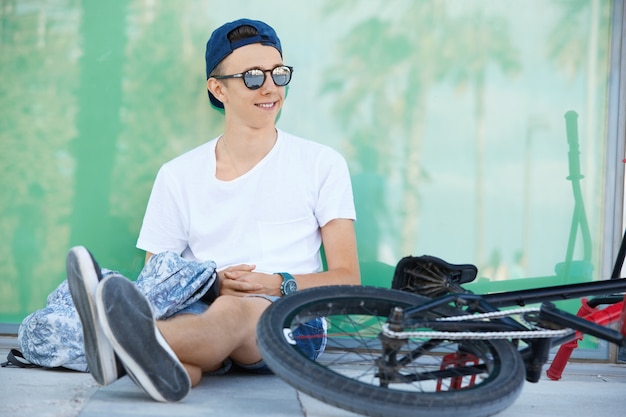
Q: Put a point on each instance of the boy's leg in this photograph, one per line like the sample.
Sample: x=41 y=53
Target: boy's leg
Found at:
x=226 y=330
x=83 y=277
x=127 y=320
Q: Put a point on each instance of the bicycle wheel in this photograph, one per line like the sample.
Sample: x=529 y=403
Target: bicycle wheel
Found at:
x=432 y=377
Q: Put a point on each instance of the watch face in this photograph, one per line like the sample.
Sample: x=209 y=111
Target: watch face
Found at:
x=290 y=287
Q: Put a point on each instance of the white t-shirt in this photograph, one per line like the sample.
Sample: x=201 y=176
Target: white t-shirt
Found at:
x=270 y=216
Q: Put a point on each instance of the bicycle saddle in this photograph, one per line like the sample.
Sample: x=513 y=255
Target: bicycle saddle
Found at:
x=431 y=276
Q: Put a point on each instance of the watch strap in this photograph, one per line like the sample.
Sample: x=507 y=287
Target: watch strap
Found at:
x=286 y=277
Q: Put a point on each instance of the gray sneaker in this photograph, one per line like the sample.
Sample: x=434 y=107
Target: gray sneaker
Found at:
x=83 y=276
x=127 y=320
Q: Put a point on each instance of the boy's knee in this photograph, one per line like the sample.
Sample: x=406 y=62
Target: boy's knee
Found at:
x=228 y=305
x=237 y=310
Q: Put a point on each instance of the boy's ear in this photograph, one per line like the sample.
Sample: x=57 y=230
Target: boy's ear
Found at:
x=216 y=88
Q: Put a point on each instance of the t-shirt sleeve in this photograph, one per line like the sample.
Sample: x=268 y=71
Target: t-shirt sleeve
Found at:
x=164 y=223
x=335 y=198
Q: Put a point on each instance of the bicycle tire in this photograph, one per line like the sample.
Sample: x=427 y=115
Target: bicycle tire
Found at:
x=342 y=382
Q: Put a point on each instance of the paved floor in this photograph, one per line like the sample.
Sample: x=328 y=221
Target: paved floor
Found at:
x=586 y=389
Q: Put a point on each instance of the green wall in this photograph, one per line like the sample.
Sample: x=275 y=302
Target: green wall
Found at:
x=449 y=112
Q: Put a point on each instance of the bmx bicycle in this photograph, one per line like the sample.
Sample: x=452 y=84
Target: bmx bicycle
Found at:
x=391 y=352
x=427 y=346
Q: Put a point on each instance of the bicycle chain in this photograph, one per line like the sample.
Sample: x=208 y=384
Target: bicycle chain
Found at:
x=514 y=334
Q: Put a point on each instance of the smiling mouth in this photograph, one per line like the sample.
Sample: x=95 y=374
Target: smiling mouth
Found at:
x=267 y=105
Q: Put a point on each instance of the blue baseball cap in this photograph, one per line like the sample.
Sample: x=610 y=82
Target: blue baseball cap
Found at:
x=219 y=47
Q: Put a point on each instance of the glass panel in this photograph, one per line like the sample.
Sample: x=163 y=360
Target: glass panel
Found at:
x=450 y=113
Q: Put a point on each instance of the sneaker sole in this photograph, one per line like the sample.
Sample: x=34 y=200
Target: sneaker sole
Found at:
x=126 y=318
x=83 y=276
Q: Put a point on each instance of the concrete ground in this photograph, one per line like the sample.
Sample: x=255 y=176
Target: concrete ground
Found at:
x=586 y=389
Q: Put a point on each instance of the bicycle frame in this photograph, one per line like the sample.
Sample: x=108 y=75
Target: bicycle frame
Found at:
x=589 y=320
x=536 y=353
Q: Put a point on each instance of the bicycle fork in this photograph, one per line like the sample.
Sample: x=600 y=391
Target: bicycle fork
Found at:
x=388 y=365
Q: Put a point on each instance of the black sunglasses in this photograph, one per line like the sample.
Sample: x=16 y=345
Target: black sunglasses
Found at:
x=254 y=78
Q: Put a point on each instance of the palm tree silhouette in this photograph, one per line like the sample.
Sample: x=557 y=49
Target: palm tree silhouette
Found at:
x=481 y=41
x=386 y=67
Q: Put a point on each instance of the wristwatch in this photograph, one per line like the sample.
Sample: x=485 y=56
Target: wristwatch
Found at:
x=289 y=285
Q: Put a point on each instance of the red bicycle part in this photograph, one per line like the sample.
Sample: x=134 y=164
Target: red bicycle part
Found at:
x=622 y=319
x=600 y=316
x=457 y=360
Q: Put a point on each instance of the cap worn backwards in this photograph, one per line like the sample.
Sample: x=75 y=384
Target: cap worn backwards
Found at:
x=219 y=46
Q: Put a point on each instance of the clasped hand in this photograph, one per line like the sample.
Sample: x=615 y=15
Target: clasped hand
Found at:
x=242 y=280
